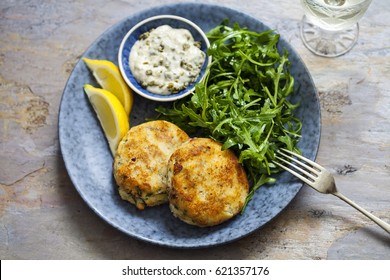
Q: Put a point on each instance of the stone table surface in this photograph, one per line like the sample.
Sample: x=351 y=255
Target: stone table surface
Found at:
x=42 y=216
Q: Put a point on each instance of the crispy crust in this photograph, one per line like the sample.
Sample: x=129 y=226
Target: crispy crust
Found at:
x=206 y=186
x=140 y=163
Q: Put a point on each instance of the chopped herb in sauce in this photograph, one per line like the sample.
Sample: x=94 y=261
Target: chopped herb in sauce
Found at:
x=166 y=60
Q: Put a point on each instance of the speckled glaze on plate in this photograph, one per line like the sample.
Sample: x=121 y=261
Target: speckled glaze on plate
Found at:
x=89 y=162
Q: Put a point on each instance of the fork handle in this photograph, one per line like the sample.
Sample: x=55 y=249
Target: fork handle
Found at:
x=378 y=221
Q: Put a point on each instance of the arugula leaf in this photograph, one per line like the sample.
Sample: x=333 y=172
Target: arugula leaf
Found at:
x=242 y=101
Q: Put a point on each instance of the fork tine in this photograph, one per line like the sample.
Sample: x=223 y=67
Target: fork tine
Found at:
x=299 y=162
x=303 y=178
x=304 y=172
x=314 y=164
x=309 y=171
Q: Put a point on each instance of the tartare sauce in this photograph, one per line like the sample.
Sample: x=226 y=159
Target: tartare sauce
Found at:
x=166 y=60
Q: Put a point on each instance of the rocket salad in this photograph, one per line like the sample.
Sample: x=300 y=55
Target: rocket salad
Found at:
x=242 y=101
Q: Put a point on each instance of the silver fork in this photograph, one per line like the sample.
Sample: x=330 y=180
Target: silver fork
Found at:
x=319 y=179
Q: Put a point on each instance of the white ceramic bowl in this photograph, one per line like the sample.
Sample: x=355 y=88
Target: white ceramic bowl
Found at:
x=146 y=25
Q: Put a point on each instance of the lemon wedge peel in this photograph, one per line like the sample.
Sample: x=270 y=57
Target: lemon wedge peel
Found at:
x=111 y=114
x=108 y=76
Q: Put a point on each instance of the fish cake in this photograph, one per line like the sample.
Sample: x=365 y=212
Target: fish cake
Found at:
x=141 y=160
x=206 y=185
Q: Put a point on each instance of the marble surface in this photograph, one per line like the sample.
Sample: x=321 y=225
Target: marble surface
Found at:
x=42 y=216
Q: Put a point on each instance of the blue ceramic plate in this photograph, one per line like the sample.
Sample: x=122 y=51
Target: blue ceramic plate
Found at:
x=89 y=162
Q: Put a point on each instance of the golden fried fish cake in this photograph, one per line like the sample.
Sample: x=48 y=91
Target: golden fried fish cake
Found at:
x=140 y=163
x=206 y=186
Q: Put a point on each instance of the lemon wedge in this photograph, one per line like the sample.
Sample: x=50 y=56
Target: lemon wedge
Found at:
x=111 y=114
x=108 y=76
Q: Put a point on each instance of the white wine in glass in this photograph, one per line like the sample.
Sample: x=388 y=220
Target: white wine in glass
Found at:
x=330 y=27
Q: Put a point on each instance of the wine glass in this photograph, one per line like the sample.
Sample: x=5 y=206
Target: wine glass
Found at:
x=330 y=27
